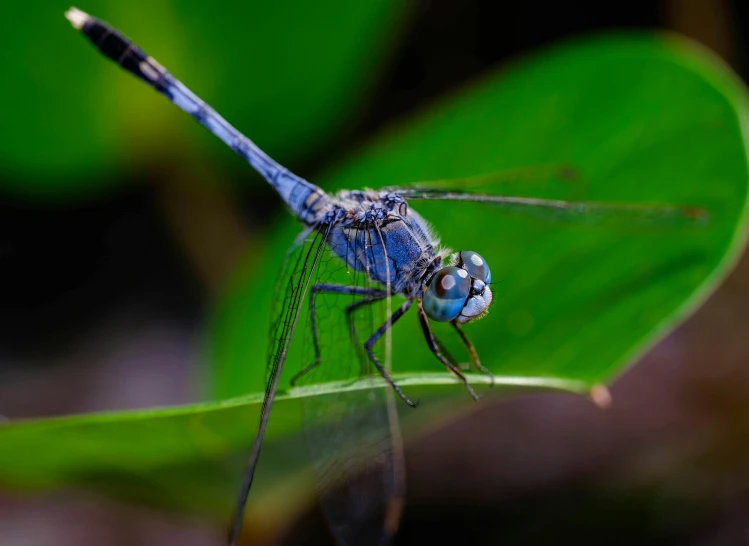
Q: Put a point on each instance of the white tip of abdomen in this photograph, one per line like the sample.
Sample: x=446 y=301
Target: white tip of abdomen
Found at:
x=77 y=17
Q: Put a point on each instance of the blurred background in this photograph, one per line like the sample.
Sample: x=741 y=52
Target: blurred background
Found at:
x=119 y=224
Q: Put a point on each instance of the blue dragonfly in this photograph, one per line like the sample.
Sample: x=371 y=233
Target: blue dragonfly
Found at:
x=357 y=250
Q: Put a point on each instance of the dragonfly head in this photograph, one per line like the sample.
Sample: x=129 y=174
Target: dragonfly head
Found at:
x=459 y=292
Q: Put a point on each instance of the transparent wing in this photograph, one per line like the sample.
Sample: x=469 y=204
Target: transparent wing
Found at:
x=538 y=175
x=580 y=211
x=352 y=437
x=299 y=266
x=559 y=178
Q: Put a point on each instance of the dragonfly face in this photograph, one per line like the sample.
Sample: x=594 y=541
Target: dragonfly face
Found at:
x=459 y=292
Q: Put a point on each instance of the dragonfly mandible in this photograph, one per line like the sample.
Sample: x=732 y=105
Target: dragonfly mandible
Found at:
x=357 y=250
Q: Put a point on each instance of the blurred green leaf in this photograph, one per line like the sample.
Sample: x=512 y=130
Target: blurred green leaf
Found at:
x=642 y=118
x=289 y=73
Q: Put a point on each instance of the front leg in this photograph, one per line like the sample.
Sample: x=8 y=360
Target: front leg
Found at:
x=472 y=351
x=433 y=346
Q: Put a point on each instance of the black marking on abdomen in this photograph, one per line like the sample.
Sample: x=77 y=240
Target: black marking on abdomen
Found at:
x=125 y=53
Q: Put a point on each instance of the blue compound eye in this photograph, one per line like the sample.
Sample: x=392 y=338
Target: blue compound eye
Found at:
x=446 y=294
x=475 y=265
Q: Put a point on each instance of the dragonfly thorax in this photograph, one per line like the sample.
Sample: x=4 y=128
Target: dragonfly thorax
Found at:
x=379 y=234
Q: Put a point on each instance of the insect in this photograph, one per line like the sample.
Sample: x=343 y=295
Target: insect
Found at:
x=358 y=251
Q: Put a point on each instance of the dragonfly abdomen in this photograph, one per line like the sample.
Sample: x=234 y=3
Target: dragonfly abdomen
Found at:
x=306 y=201
x=303 y=198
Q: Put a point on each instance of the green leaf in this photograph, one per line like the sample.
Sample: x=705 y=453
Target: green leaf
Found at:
x=78 y=120
x=188 y=458
x=643 y=119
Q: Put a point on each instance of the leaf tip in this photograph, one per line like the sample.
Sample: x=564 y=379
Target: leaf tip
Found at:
x=600 y=395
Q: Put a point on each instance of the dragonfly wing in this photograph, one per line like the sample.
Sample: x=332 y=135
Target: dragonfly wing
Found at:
x=577 y=211
x=535 y=176
x=299 y=266
x=353 y=436
x=359 y=476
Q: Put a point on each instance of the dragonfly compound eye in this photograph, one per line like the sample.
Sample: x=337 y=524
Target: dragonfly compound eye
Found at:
x=447 y=293
x=475 y=265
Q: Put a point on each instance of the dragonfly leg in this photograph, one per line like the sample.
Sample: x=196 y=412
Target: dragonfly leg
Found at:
x=377 y=335
x=454 y=361
x=350 y=315
x=322 y=288
x=472 y=352
x=433 y=346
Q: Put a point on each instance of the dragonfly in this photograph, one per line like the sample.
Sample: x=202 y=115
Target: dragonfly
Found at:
x=357 y=251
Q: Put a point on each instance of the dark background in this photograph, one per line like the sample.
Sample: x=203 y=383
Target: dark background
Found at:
x=117 y=322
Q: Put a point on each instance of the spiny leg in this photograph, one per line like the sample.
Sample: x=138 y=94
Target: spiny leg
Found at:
x=377 y=335
x=323 y=288
x=435 y=350
x=454 y=361
x=350 y=318
x=460 y=365
x=472 y=352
